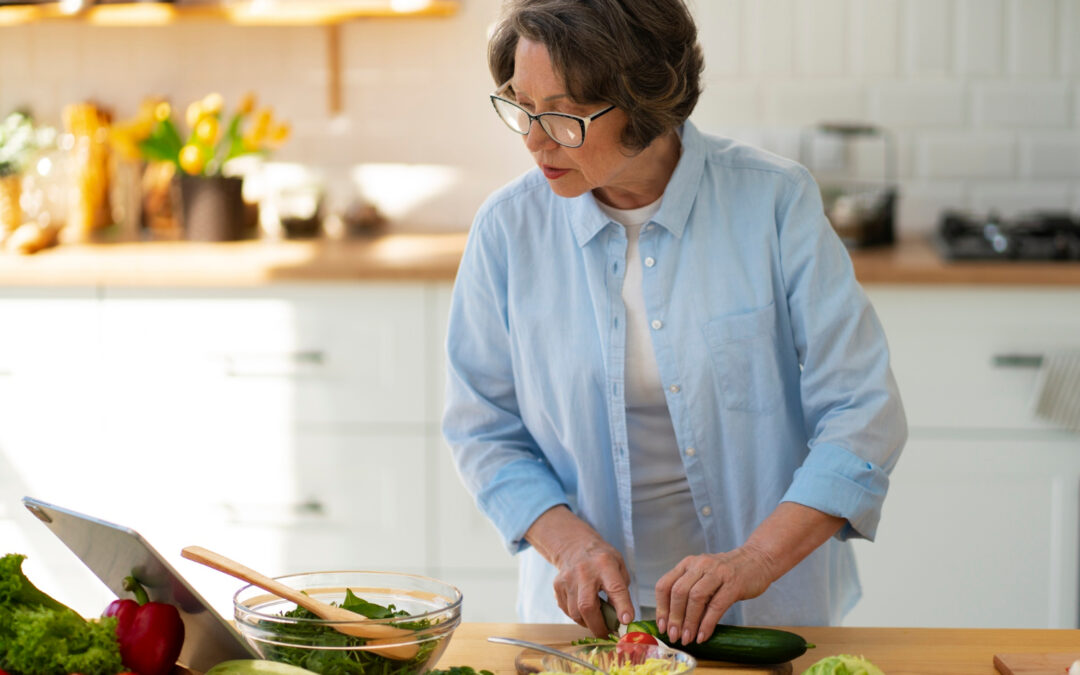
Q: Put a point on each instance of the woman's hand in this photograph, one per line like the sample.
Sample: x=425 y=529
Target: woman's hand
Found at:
x=587 y=565
x=691 y=598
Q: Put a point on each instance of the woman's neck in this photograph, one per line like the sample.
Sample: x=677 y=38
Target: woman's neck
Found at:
x=647 y=177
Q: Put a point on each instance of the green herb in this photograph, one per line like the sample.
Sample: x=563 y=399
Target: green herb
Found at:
x=329 y=661
x=19 y=140
x=40 y=636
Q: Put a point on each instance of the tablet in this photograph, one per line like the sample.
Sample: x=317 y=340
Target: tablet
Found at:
x=113 y=552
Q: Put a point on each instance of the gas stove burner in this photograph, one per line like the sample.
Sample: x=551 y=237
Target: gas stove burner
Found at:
x=1040 y=235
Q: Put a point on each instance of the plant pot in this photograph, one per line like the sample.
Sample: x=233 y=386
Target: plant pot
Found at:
x=211 y=208
x=10 y=210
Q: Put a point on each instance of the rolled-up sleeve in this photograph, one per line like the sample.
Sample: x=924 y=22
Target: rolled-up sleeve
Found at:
x=497 y=458
x=851 y=406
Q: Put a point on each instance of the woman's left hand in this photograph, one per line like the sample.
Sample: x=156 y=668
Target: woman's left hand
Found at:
x=691 y=598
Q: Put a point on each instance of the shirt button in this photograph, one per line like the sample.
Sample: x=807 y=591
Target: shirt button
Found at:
x=650 y=261
x=674 y=389
x=690 y=452
x=705 y=510
x=657 y=324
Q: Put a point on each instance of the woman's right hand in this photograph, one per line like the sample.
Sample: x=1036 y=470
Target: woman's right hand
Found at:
x=587 y=565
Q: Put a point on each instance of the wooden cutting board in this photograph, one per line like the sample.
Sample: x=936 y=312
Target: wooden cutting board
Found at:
x=716 y=667
x=1034 y=664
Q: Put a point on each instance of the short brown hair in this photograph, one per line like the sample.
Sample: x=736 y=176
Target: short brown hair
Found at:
x=640 y=55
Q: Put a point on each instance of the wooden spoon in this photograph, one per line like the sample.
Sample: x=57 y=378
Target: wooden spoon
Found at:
x=376 y=634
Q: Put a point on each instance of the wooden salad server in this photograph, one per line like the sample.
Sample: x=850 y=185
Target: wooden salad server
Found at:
x=374 y=633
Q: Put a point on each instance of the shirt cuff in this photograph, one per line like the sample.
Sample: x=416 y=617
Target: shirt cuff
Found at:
x=516 y=496
x=840 y=483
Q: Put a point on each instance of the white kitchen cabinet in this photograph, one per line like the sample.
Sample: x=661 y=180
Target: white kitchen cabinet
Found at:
x=49 y=395
x=467 y=550
x=980 y=527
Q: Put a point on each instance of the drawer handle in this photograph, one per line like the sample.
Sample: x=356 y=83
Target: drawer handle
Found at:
x=1018 y=360
x=273 y=364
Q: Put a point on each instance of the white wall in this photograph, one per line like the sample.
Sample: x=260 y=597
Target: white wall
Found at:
x=983 y=95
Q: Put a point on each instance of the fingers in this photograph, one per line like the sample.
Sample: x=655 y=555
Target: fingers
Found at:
x=577 y=590
x=615 y=582
x=680 y=600
x=663 y=591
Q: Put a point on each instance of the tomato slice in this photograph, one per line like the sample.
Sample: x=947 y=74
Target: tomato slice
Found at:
x=634 y=647
x=637 y=638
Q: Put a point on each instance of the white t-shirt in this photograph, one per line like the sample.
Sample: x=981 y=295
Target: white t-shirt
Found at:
x=665 y=522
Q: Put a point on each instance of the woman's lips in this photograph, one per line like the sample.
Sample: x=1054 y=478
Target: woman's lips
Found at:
x=551 y=173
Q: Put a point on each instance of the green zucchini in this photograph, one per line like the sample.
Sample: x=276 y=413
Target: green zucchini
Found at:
x=736 y=644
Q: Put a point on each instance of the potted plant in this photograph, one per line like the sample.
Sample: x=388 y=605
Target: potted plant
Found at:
x=209 y=202
x=19 y=140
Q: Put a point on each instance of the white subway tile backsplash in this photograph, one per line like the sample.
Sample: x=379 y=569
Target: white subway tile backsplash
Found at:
x=720 y=32
x=1050 y=155
x=903 y=104
x=966 y=155
x=875 y=36
x=1021 y=105
x=983 y=96
x=1012 y=198
x=1032 y=38
x=929 y=38
x=980 y=30
x=727 y=103
x=804 y=103
x=920 y=204
x=821 y=29
x=770 y=34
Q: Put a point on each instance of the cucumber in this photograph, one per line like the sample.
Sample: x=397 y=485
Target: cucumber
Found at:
x=736 y=644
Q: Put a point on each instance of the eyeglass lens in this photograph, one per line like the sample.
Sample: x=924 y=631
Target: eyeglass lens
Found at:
x=563 y=130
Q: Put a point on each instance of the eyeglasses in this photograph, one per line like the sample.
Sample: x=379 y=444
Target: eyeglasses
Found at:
x=566 y=130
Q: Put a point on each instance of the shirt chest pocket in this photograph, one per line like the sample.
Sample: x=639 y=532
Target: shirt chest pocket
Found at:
x=743 y=348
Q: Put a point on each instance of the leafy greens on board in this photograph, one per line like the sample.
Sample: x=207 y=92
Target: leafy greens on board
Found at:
x=344 y=661
x=41 y=636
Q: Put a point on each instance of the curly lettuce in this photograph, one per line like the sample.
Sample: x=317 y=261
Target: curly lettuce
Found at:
x=41 y=636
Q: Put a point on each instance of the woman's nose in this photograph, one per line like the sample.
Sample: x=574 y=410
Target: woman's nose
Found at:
x=537 y=138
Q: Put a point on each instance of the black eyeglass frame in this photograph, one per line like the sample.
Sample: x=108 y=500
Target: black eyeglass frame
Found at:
x=583 y=122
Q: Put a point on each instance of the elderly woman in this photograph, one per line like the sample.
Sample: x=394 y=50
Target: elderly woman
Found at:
x=664 y=382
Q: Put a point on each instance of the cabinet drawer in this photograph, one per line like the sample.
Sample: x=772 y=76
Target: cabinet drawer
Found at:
x=946 y=342
x=976 y=534
x=320 y=354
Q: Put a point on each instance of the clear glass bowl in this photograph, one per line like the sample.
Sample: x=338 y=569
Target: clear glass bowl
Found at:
x=607 y=656
x=434 y=611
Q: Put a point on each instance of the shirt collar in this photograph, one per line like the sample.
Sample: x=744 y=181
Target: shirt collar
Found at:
x=587 y=218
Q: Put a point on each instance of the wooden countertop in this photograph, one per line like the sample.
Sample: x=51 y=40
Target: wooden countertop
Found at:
x=897 y=651
x=421 y=256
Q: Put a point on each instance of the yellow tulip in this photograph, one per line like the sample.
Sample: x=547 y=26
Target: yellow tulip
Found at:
x=162 y=111
x=191 y=159
x=213 y=103
x=247 y=104
x=262 y=123
x=207 y=130
x=279 y=133
x=195 y=113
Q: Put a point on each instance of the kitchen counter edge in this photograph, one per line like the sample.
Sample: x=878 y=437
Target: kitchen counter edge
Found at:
x=421 y=257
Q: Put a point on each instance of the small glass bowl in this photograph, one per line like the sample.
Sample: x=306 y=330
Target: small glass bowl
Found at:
x=315 y=644
x=605 y=656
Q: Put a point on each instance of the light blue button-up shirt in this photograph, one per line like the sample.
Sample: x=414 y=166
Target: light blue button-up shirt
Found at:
x=774 y=366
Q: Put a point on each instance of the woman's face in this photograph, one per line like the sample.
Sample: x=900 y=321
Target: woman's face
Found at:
x=601 y=164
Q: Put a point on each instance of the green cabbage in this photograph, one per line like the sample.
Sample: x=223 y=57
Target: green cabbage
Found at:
x=843 y=664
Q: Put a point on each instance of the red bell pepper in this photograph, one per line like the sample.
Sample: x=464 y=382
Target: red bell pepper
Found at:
x=150 y=634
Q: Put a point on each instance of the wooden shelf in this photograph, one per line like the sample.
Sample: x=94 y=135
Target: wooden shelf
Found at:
x=247 y=13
